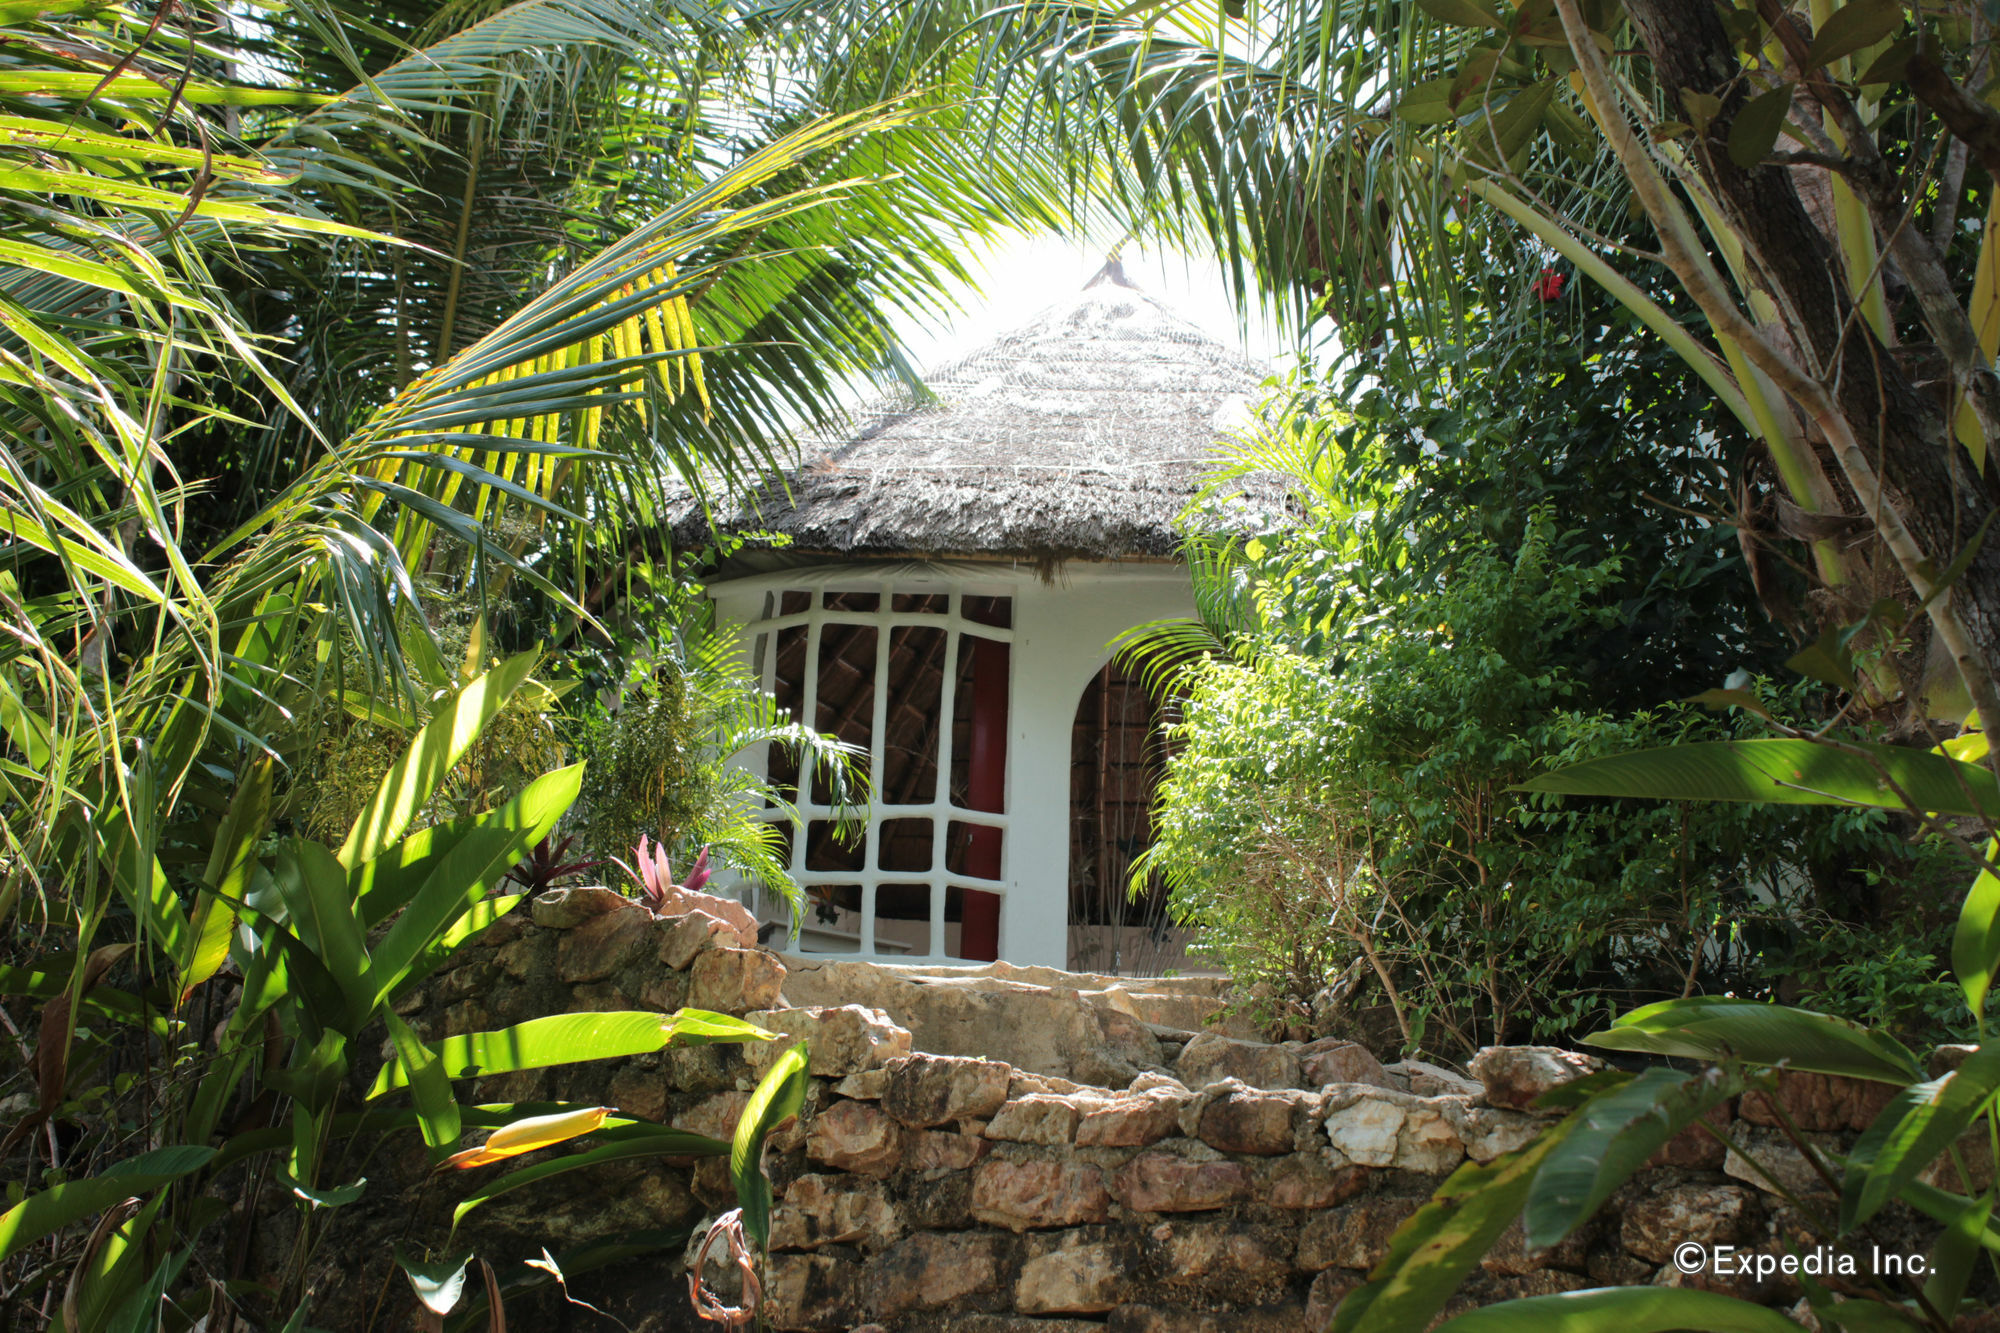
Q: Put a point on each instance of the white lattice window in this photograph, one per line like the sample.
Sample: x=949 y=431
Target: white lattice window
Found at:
x=917 y=676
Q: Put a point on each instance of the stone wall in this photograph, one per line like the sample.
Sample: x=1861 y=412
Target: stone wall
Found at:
x=1167 y=1179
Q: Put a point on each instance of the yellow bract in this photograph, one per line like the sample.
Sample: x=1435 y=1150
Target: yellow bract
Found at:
x=531 y=1135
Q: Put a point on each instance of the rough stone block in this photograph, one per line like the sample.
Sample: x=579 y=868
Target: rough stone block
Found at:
x=638 y=1092
x=1422 y=1079
x=1774 y=1150
x=834 y=1210
x=1354 y=1235
x=1365 y=1127
x=735 y=981
x=1134 y=1121
x=1230 y=1254
x=1036 y=1118
x=1160 y=1182
x=602 y=944
x=1331 y=1061
x=1513 y=1076
x=1281 y=1318
x=939 y=1150
x=931 y=1269
x=1694 y=1148
x=714 y=1115
x=683 y=937
x=1652 y=1225
x=1038 y=1193
x=566 y=909
x=810 y=1292
x=842 y=1041
x=1247 y=1120
x=1210 y=1057
x=1314 y=1180
x=1489 y=1132
x=857 y=1137
x=1817 y=1102
x=927 y=1090
x=1080 y=1277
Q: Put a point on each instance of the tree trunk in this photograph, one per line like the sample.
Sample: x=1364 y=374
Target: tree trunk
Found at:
x=1925 y=475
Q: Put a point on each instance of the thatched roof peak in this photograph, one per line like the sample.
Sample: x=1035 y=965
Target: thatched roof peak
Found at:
x=1079 y=435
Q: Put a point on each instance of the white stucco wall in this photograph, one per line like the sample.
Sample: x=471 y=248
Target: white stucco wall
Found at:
x=1061 y=636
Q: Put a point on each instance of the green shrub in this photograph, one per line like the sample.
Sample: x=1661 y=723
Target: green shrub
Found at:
x=1325 y=812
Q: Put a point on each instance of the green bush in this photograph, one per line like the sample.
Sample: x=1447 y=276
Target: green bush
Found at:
x=1330 y=812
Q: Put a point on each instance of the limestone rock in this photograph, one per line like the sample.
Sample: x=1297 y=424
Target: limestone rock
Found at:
x=1134 y=1121
x=833 y=1210
x=1038 y=1193
x=735 y=981
x=1488 y=1132
x=855 y=1136
x=1314 y=1180
x=1245 y=1257
x=1209 y=1057
x=1421 y=1079
x=1778 y=1155
x=1155 y=1081
x=521 y=958
x=1695 y=1149
x=714 y=1115
x=1328 y=1290
x=1331 y=1061
x=566 y=909
x=1817 y=1102
x=927 y=1090
x=810 y=1292
x=638 y=1092
x=1513 y=1076
x=842 y=1041
x=1248 y=1120
x=1161 y=1182
x=1653 y=1225
x=938 y=1150
x=865 y=1086
x=728 y=911
x=1036 y=1118
x=600 y=945
x=931 y=1269
x=1080 y=1277
x=683 y=937
x=1375 y=1127
x=1354 y=1235
x=1281 y=1318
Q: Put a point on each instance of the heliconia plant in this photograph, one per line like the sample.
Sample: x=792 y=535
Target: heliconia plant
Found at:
x=327 y=941
x=1930 y=1130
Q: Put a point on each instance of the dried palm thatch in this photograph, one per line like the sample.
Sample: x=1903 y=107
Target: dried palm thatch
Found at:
x=1079 y=436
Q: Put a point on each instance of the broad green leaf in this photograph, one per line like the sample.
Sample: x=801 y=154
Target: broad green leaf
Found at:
x=1754 y=132
x=1720 y=1027
x=1616 y=1131
x=313 y=887
x=445 y=947
x=1785 y=772
x=557 y=1039
x=1430 y=1254
x=778 y=1098
x=1868 y=1317
x=1626 y=1309
x=437 y=1110
x=438 y=1283
x=338 y=1197
x=231 y=862
x=1919 y=1123
x=1975 y=943
x=72 y=1201
x=473 y=868
x=1954 y=1256
x=665 y=1143
x=1855 y=26
x=435 y=750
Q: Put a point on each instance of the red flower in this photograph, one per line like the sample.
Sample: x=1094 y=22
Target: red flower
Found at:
x=1549 y=286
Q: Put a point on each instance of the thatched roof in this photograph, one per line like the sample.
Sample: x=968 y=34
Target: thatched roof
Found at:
x=1080 y=435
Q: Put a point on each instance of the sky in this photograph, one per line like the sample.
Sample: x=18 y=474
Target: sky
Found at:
x=1022 y=276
